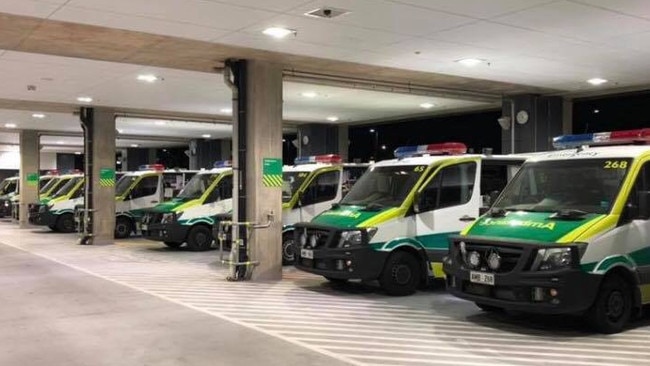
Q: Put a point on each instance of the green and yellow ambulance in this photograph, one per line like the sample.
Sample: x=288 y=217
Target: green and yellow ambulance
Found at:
x=569 y=235
x=46 y=186
x=190 y=216
x=394 y=224
x=8 y=190
x=57 y=210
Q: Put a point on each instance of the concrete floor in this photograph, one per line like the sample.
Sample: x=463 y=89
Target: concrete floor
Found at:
x=138 y=303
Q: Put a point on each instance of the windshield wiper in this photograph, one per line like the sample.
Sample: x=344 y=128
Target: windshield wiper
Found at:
x=568 y=214
x=373 y=207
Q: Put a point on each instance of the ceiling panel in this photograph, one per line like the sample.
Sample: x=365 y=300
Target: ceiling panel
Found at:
x=295 y=46
x=197 y=12
x=637 y=8
x=271 y=5
x=32 y=8
x=137 y=23
x=573 y=20
x=388 y=16
x=476 y=8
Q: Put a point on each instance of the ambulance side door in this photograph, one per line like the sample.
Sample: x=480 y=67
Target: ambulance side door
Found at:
x=216 y=202
x=146 y=193
x=319 y=195
x=447 y=203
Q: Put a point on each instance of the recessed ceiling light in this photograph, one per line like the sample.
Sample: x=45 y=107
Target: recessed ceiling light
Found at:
x=427 y=105
x=309 y=94
x=471 y=62
x=279 y=32
x=84 y=99
x=383 y=147
x=10 y=125
x=38 y=115
x=160 y=123
x=226 y=110
x=134 y=145
x=77 y=152
x=332 y=118
x=597 y=81
x=206 y=136
x=60 y=143
x=596 y=111
x=149 y=78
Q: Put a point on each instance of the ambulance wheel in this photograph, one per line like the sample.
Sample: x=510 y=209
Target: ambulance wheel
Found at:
x=488 y=308
x=173 y=244
x=288 y=249
x=123 y=228
x=65 y=223
x=613 y=306
x=401 y=274
x=199 y=239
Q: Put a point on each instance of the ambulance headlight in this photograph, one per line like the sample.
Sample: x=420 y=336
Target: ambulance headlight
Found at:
x=168 y=217
x=357 y=237
x=549 y=259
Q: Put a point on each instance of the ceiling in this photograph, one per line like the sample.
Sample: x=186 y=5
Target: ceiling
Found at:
x=58 y=50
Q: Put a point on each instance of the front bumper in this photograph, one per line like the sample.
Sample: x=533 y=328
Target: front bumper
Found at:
x=167 y=232
x=46 y=218
x=563 y=291
x=356 y=262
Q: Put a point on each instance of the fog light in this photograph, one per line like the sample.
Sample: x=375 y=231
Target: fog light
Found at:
x=474 y=259
x=348 y=263
x=552 y=292
x=538 y=294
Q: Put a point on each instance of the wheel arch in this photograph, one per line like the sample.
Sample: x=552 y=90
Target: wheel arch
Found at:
x=630 y=276
x=418 y=252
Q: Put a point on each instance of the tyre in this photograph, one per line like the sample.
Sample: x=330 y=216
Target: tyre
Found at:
x=288 y=249
x=612 y=308
x=172 y=244
x=488 y=308
x=65 y=223
x=401 y=274
x=123 y=228
x=199 y=239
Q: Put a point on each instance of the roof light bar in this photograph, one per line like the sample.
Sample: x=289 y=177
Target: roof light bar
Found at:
x=602 y=138
x=222 y=164
x=52 y=172
x=156 y=167
x=446 y=148
x=322 y=159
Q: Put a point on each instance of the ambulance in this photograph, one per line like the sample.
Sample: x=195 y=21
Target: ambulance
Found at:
x=394 y=224
x=138 y=191
x=46 y=186
x=569 y=234
x=57 y=211
x=309 y=187
x=190 y=216
x=8 y=189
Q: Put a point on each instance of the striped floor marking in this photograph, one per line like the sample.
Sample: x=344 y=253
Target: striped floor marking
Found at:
x=359 y=328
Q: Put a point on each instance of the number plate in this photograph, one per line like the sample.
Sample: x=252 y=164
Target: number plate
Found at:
x=482 y=278
x=307 y=253
x=144 y=227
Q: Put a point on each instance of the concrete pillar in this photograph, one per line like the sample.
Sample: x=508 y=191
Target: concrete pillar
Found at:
x=29 y=173
x=343 y=142
x=542 y=119
x=264 y=140
x=103 y=159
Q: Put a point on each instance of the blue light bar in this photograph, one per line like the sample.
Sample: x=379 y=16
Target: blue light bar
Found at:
x=323 y=159
x=602 y=138
x=446 y=148
x=156 y=167
x=222 y=164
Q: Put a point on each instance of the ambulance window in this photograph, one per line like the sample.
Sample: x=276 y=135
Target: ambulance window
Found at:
x=222 y=191
x=148 y=186
x=79 y=192
x=452 y=186
x=323 y=188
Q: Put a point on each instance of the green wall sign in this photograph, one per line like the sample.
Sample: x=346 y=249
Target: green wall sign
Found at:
x=107 y=177
x=272 y=172
x=32 y=179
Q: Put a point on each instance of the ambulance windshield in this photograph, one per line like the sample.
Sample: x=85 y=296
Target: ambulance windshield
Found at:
x=197 y=186
x=291 y=182
x=68 y=187
x=581 y=185
x=50 y=185
x=385 y=186
x=8 y=186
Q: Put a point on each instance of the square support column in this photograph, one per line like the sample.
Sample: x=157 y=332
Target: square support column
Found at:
x=264 y=140
x=29 y=173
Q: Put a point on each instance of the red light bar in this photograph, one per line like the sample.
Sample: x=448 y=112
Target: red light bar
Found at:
x=449 y=148
x=156 y=167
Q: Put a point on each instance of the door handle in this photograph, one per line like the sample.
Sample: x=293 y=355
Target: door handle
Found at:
x=467 y=218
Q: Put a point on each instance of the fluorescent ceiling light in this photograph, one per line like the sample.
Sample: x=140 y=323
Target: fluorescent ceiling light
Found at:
x=596 y=81
x=77 y=152
x=470 y=62
x=309 y=94
x=10 y=125
x=206 y=136
x=332 y=118
x=226 y=110
x=427 y=105
x=38 y=115
x=134 y=145
x=149 y=78
x=84 y=99
x=278 y=32
x=160 y=123
x=60 y=143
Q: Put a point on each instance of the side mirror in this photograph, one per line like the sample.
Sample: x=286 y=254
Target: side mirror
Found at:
x=643 y=205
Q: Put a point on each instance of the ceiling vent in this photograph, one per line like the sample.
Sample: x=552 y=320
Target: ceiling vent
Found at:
x=326 y=13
